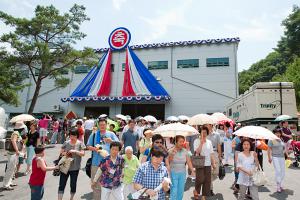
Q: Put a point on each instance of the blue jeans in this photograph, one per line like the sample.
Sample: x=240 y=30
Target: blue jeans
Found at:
x=178 y=182
x=37 y=192
x=54 y=138
x=30 y=154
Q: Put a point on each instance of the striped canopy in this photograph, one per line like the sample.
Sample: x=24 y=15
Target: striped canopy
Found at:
x=139 y=84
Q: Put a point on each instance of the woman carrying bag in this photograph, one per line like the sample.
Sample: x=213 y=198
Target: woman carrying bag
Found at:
x=247 y=162
x=204 y=148
x=276 y=153
x=13 y=147
x=178 y=158
x=75 y=149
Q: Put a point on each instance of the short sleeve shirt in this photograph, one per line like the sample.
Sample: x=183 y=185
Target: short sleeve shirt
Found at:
x=179 y=160
x=286 y=131
x=207 y=150
x=277 y=147
x=145 y=143
x=111 y=172
x=130 y=168
x=215 y=140
x=247 y=163
x=98 y=139
x=79 y=146
x=130 y=138
x=150 y=178
x=32 y=139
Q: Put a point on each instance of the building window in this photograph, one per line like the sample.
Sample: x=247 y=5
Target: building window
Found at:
x=112 y=67
x=81 y=69
x=123 y=66
x=217 y=62
x=189 y=63
x=64 y=71
x=230 y=112
x=37 y=72
x=152 y=65
x=24 y=73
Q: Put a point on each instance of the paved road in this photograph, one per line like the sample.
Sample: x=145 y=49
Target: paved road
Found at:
x=221 y=188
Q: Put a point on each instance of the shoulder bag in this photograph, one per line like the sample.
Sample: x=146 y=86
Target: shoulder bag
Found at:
x=139 y=195
x=9 y=146
x=259 y=177
x=222 y=171
x=88 y=165
x=198 y=161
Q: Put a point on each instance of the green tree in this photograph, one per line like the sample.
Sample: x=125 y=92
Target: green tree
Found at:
x=292 y=74
x=45 y=42
x=11 y=78
x=289 y=45
x=262 y=71
x=274 y=66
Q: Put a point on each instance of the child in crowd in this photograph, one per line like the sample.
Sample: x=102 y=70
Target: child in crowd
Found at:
x=37 y=177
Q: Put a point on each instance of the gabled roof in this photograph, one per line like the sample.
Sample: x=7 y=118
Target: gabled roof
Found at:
x=180 y=43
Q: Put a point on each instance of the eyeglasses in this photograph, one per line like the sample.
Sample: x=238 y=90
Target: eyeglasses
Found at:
x=158 y=142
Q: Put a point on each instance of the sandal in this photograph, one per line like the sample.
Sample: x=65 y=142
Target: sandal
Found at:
x=196 y=195
x=8 y=188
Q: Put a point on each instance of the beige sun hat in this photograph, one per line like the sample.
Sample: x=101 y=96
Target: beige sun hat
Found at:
x=19 y=125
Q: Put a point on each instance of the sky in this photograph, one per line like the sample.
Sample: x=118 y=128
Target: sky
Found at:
x=257 y=22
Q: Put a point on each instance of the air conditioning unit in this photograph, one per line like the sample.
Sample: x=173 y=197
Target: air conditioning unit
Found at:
x=56 y=107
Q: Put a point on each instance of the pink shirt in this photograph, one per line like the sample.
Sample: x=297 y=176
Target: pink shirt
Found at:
x=55 y=126
x=43 y=123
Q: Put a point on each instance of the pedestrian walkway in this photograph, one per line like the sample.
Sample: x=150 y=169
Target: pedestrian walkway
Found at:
x=221 y=188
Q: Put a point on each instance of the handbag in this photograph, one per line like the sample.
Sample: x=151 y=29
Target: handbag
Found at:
x=139 y=195
x=222 y=171
x=56 y=172
x=9 y=146
x=65 y=164
x=259 y=177
x=198 y=161
x=88 y=165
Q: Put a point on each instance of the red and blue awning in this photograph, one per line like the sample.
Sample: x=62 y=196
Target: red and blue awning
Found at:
x=139 y=84
x=138 y=80
x=98 y=80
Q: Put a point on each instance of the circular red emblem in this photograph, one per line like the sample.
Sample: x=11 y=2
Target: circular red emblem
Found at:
x=119 y=38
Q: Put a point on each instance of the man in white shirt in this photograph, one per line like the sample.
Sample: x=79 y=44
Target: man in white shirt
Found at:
x=88 y=127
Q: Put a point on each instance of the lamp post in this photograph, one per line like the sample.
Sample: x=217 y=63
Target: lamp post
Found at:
x=280 y=87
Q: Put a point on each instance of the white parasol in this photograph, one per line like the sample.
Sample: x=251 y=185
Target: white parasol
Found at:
x=201 y=119
x=150 y=118
x=256 y=132
x=171 y=130
x=220 y=117
x=22 y=118
x=172 y=119
x=283 y=118
x=102 y=116
x=120 y=116
x=183 y=117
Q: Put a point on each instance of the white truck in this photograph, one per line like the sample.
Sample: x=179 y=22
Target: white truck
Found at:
x=263 y=102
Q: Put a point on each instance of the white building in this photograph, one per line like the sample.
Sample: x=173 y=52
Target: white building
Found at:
x=199 y=76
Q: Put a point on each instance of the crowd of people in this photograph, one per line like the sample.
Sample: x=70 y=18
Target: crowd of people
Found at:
x=132 y=160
